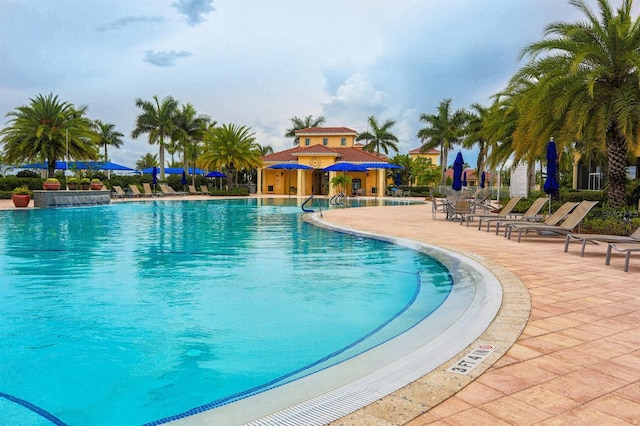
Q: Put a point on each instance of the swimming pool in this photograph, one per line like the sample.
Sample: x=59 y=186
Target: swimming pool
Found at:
x=131 y=313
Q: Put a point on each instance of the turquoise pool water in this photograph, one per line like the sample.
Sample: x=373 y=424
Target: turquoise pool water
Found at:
x=135 y=312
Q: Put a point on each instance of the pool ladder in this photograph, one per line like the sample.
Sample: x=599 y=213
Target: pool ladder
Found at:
x=306 y=210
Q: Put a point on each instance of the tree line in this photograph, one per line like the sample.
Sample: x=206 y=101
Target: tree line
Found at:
x=580 y=84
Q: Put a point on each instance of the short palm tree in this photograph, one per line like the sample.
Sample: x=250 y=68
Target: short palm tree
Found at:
x=146 y=161
x=379 y=137
x=158 y=121
x=582 y=84
x=48 y=129
x=302 y=123
x=230 y=147
x=444 y=129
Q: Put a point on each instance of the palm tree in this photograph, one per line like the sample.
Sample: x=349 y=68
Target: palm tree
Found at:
x=146 y=161
x=443 y=129
x=265 y=150
x=230 y=147
x=48 y=129
x=380 y=137
x=108 y=136
x=189 y=130
x=302 y=123
x=476 y=133
x=158 y=121
x=581 y=83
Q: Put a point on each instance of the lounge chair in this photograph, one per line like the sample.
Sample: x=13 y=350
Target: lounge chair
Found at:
x=397 y=193
x=118 y=192
x=193 y=191
x=569 y=223
x=531 y=215
x=600 y=238
x=167 y=190
x=553 y=219
x=502 y=214
x=147 y=190
x=134 y=190
x=626 y=248
x=204 y=189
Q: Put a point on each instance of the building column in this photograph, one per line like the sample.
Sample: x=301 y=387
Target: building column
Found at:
x=259 y=183
x=300 y=183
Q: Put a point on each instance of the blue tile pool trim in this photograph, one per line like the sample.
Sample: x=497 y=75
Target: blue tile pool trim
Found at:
x=34 y=408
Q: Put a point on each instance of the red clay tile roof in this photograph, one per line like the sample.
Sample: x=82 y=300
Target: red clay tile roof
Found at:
x=429 y=151
x=326 y=131
x=351 y=155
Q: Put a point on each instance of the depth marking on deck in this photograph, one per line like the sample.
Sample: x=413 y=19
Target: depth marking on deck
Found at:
x=472 y=359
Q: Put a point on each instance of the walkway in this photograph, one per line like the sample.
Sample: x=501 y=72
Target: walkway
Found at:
x=577 y=360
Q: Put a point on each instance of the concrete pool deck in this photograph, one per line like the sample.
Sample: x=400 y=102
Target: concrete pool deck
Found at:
x=577 y=360
x=576 y=356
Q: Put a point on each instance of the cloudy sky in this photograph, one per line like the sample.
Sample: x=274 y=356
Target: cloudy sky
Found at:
x=259 y=63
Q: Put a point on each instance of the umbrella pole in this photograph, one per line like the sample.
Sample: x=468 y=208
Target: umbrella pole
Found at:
x=289 y=183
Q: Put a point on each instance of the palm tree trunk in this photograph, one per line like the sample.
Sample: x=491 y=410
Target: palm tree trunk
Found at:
x=443 y=159
x=617 y=159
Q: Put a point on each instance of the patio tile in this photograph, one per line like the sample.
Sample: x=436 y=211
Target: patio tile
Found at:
x=617 y=407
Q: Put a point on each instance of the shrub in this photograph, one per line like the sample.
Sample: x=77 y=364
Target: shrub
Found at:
x=22 y=190
x=27 y=174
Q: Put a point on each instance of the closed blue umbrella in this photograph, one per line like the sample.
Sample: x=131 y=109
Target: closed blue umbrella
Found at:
x=464 y=179
x=154 y=174
x=457 y=172
x=482 y=179
x=184 y=178
x=551 y=184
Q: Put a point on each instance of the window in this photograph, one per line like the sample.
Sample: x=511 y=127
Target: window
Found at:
x=307 y=141
x=325 y=141
x=343 y=141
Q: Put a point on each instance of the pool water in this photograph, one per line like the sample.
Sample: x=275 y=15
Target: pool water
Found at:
x=135 y=312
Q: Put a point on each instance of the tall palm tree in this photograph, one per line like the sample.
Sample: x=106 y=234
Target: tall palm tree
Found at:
x=302 y=123
x=581 y=83
x=48 y=129
x=108 y=136
x=475 y=133
x=158 y=121
x=379 y=137
x=189 y=130
x=231 y=147
x=444 y=129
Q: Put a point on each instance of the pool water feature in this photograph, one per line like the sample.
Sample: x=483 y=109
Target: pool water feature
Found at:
x=137 y=312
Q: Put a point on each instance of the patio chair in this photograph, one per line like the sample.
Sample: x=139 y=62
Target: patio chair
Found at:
x=147 y=190
x=459 y=209
x=438 y=206
x=397 y=193
x=531 y=215
x=600 y=238
x=134 y=190
x=503 y=213
x=553 y=219
x=193 y=191
x=570 y=222
x=118 y=192
x=204 y=189
x=626 y=248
